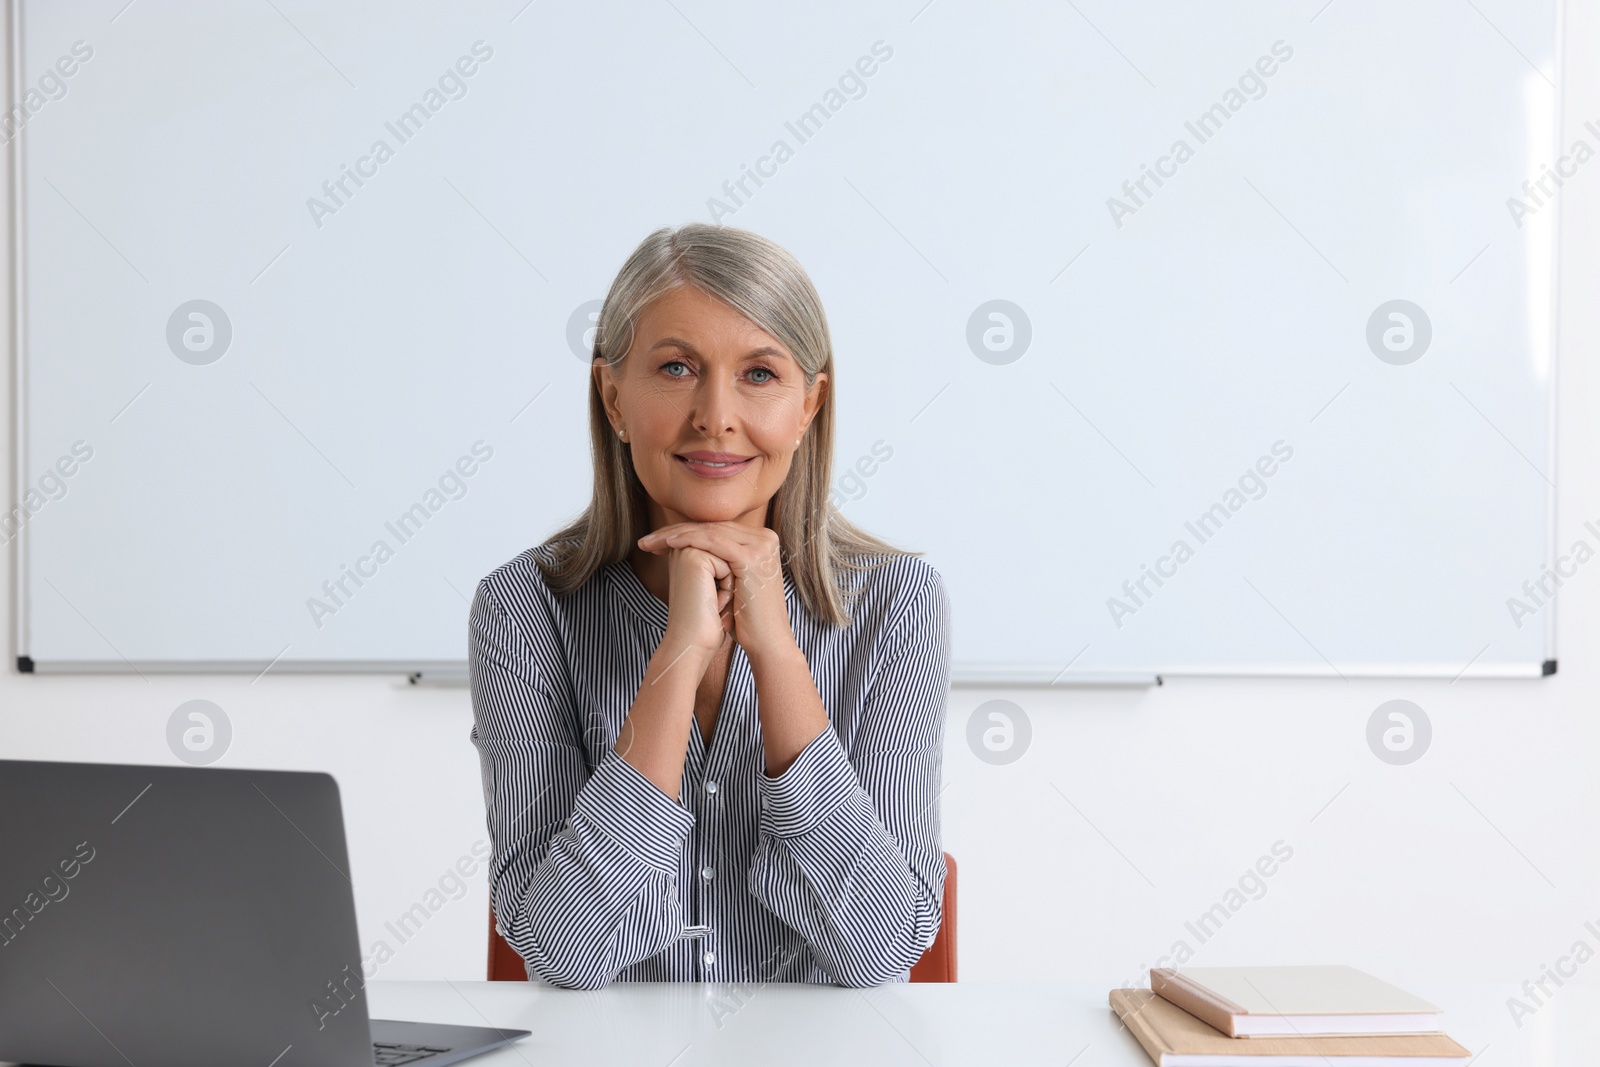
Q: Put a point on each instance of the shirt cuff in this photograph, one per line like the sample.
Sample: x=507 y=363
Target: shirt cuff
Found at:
x=819 y=781
x=629 y=808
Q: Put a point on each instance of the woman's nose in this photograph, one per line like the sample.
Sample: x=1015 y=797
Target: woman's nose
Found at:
x=712 y=415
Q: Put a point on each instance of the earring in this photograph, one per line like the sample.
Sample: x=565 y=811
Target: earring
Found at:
x=622 y=434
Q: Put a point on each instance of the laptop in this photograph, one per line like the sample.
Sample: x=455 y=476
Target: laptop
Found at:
x=188 y=917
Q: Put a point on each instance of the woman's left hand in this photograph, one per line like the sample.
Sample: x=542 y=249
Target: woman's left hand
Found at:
x=760 y=613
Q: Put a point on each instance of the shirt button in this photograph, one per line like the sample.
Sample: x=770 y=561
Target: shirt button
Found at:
x=709 y=958
x=711 y=787
x=706 y=873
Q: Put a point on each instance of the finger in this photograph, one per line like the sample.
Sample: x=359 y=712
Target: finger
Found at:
x=734 y=530
x=714 y=567
x=749 y=551
x=720 y=569
x=666 y=539
x=717 y=542
x=659 y=535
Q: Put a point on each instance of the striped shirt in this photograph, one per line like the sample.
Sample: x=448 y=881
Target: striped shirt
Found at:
x=831 y=872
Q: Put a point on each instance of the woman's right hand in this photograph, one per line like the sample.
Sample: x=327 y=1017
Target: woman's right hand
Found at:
x=699 y=599
x=655 y=735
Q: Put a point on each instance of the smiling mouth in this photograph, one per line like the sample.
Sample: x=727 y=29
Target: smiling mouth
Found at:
x=714 y=464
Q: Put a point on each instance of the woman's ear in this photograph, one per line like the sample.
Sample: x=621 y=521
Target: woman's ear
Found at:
x=606 y=382
x=813 y=400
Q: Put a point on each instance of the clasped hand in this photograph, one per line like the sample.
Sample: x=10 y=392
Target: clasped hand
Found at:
x=724 y=579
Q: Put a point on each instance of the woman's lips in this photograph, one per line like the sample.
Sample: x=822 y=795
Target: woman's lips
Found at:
x=715 y=464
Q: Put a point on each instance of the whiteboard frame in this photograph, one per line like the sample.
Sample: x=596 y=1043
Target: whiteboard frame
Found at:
x=447 y=672
x=17 y=295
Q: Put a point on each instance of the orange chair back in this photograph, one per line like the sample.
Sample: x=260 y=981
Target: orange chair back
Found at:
x=938 y=964
x=504 y=963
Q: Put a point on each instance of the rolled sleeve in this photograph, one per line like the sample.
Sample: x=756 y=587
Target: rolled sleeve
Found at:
x=583 y=877
x=637 y=816
x=849 y=855
x=813 y=787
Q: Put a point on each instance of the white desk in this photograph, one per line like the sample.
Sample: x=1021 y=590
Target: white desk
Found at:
x=914 y=1025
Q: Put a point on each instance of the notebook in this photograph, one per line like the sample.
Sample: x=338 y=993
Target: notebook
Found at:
x=1294 y=1001
x=1174 y=1038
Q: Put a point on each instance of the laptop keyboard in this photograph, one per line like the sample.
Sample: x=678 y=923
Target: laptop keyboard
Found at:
x=389 y=1055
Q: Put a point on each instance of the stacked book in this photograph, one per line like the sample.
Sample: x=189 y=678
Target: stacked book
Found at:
x=1282 y=1017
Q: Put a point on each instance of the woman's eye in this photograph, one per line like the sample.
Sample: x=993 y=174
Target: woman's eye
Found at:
x=679 y=364
x=761 y=370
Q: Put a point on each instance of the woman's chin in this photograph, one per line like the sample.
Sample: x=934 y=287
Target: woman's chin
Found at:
x=709 y=514
x=708 y=508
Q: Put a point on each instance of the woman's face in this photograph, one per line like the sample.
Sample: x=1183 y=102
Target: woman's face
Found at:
x=713 y=408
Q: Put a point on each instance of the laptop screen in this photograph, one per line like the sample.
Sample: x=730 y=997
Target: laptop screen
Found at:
x=184 y=916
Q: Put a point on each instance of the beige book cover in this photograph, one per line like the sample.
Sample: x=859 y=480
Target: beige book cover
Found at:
x=1295 y=1001
x=1174 y=1038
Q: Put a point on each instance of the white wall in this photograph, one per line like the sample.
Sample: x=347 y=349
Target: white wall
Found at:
x=1479 y=861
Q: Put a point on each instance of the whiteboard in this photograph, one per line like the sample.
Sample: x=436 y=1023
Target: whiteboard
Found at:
x=1103 y=281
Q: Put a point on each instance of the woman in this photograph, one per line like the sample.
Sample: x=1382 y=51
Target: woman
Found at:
x=710 y=712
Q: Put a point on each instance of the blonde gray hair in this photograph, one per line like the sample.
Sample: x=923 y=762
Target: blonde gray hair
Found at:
x=764 y=283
